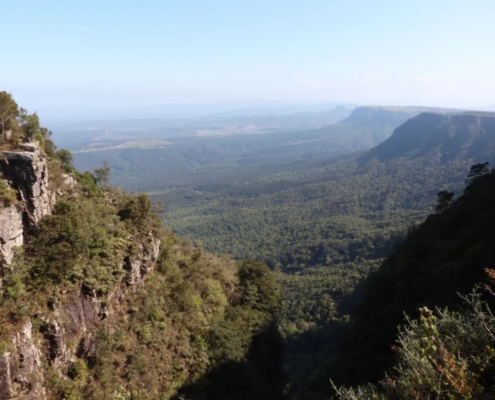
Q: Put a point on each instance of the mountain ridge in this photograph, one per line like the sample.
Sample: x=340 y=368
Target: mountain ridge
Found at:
x=453 y=133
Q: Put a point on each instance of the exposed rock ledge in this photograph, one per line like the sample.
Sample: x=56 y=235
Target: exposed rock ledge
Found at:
x=67 y=332
x=11 y=232
x=21 y=370
x=27 y=172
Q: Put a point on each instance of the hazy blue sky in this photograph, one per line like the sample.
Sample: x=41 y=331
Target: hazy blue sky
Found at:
x=74 y=53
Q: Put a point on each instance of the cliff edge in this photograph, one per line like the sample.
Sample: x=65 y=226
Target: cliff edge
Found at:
x=27 y=173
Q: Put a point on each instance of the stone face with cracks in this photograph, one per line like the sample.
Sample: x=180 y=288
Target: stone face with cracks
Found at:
x=21 y=374
x=67 y=332
x=11 y=232
x=27 y=172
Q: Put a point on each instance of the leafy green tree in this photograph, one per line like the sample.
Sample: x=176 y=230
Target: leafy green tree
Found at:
x=103 y=174
x=9 y=110
x=259 y=289
x=29 y=124
x=49 y=147
x=66 y=160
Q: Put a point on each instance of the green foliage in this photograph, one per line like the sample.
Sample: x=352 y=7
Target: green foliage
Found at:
x=66 y=160
x=135 y=208
x=203 y=327
x=194 y=312
x=49 y=148
x=443 y=355
x=447 y=355
x=445 y=255
x=190 y=315
x=324 y=226
x=83 y=244
x=82 y=241
x=103 y=174
x=17 y=124
x=87 y=183
x=9 y=110
x=29 y=124
x=258 y=289
x=8 y=196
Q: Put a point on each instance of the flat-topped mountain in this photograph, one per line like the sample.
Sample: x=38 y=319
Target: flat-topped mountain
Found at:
x=464 y=134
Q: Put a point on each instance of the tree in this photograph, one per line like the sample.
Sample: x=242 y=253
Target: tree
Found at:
x=476 y=171
x=66 y=160
x=259 y=289
x=103 y=174
x=29 y=124
x=9 y=110
x=444 y=200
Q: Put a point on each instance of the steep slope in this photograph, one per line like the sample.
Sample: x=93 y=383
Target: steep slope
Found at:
x=28 y=172
x=102 y=302
x=455 y=135
x=370 y=125
x=446 y=255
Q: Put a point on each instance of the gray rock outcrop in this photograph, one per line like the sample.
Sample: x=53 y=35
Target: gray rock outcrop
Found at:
x=26 y=171
x=64 y=331
x=21 y=374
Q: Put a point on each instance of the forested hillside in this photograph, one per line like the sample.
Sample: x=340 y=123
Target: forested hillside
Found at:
x=449 y=352
x=101 y=301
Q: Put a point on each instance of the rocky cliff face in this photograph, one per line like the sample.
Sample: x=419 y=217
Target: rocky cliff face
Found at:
x=11 y=232
x=67 y=333
x=21 y=374
x=54 y=340
x=27 y=172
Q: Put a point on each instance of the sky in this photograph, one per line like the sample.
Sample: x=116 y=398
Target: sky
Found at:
x=106 y=54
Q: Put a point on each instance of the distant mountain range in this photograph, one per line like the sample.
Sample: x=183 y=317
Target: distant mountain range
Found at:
x=211 y=150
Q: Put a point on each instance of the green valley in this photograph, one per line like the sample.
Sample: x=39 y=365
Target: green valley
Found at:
x=320 y=248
